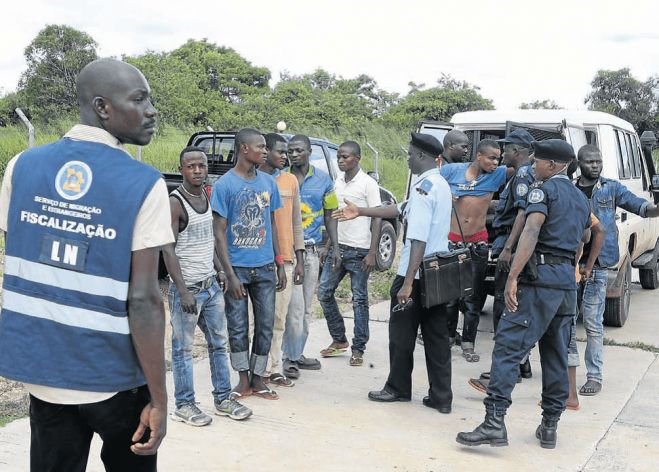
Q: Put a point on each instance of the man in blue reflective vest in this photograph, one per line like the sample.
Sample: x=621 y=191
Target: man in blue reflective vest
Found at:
x=82 y=322
x=540 y=295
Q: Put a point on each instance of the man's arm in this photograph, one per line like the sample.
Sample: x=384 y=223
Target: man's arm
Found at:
x=597 y=233
x=146 y=319
x=281 y=272
x=525 y=248
x=629 y=201
x=506 y=254
x=352 y=211
x=332 y=230
x=188 y=301
x=234 y=287
x=298 y=239
x=369 y=263
x=417 y=250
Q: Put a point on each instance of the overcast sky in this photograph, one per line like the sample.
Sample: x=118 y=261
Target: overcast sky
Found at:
x=515 y=51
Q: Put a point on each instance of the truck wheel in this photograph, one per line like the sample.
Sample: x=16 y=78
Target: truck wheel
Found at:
x=616 y=310
x=386 y=246
x=650 y=277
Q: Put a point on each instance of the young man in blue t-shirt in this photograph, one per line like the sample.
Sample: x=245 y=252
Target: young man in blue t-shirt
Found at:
x=472 y=185
x=244 y=201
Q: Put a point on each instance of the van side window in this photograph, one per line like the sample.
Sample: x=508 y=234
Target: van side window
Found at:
x=623 y=157
x=591 y=137
x=634 y=156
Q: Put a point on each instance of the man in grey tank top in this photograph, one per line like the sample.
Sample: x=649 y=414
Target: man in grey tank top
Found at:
x=196 y=297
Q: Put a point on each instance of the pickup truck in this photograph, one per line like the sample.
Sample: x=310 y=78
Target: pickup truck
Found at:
x=625 y=157
x=219 y=147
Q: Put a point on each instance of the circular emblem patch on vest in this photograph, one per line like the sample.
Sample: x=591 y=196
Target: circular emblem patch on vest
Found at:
x=73 y=180
x=536 y=196
x=522 y=189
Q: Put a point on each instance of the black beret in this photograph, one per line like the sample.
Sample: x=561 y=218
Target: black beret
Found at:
x=554 y=149
x=427 y=143
x=520 y=137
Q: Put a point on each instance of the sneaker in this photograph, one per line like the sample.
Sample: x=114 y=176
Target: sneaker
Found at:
x=192 y=415
x=233 y=409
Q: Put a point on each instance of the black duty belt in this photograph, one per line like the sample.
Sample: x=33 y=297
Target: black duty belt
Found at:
x=203 y=285
x=551 y=259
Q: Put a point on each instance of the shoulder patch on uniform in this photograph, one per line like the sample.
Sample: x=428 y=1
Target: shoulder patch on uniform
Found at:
x=425 y=187
x=522 y=172
x=536 y=196
x=521 y=189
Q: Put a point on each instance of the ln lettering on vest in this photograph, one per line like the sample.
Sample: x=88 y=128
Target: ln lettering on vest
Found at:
x=63 y=252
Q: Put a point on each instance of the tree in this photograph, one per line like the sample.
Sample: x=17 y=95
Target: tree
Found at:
x=54 y=59
x=540 y=105
x=438 y=103
x=621 y=94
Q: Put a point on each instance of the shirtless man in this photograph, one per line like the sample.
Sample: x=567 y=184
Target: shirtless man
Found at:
x=472 y=186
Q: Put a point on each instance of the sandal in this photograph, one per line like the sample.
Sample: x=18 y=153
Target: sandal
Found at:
x=470 y=355
x=266 y=393
x=590 y=388
x=356 y=360
x=280 y=380
x=334 y=350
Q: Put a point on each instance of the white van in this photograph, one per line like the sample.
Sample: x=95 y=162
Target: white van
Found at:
x=623 y=160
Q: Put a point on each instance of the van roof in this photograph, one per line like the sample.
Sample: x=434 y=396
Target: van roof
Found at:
x=540 y=117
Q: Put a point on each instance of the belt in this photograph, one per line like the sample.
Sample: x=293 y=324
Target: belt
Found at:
x=551 y=259
x=467 y=244
x=351 y=248
x=311 y=248
x=203 y=285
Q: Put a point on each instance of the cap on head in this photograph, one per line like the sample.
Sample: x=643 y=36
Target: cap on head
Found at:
x=427 y=143
x=519 y=137
x=553 y=149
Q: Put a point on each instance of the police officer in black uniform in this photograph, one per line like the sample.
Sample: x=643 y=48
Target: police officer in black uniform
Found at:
x=542 y=307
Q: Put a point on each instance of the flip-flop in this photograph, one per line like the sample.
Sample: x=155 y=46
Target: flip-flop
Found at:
x=590 y=388
x=356 y=361
x=333 y=351
x=234 y=395
x=266 y=394
x=280 y=380
x=479 y=384
x=470 y=355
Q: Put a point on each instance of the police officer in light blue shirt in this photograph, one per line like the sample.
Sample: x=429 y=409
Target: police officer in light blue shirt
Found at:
x=428 y=216
x=540 y=297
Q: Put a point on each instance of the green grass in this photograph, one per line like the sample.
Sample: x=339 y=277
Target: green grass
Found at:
x=631 y=344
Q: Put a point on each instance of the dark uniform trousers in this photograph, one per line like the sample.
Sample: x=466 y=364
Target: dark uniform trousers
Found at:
x=543 y=315
x=403 y=328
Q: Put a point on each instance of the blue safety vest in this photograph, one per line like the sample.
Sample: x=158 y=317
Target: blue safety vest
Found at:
x=64 y=320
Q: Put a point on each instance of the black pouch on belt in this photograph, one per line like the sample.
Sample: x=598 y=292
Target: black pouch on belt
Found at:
x=530 y=271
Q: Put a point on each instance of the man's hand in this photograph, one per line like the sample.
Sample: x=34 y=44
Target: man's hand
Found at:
x=281 y=278
x=154 y=418
x=585 y=273
x=503 y=262
x=404 y=294
x=368 y=263
x=298 y=274
x=235 y=288
x=349 y=212
x=322 y=254
x=335 y=259
x=510 y=294
x=222 y=280
x=188 y=302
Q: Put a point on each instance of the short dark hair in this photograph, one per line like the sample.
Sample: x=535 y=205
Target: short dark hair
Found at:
x=486 y=144
x=354 y=148
x=588 y=149
x=187 y=150
x=273 y=138
x=302 y=138
x=452 y=136
x=244 y=136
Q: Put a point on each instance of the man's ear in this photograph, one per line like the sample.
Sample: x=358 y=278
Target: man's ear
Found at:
x=101 y=107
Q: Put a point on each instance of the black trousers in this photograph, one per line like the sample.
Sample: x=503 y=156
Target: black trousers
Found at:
x=403 y=327
x=61 y=434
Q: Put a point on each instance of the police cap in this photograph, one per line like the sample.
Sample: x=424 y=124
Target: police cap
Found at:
x=427 y=143
x=520 y=137
x=553 y=149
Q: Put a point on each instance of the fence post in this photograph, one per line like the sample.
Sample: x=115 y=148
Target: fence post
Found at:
x=30 y=128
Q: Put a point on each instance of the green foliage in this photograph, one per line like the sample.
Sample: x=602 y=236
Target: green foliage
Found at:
x=540 y=105
x=54 y=59
x=438 y=103
x=621 y=94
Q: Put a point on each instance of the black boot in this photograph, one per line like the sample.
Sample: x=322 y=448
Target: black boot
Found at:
x=492 y=431
x=546 y=433
x=525 y=370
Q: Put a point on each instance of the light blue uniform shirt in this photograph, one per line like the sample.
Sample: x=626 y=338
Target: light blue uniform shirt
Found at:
x=428 y=216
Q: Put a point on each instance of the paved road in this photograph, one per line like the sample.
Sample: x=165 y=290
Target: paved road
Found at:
x=326 y=423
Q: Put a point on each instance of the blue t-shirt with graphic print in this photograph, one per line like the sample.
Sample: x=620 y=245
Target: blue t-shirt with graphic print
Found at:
x=247 y=205
x=486 y=182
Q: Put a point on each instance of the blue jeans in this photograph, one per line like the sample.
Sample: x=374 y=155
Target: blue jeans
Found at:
x=212 y=322
x=260 y=283
x=351 y=263
x=296 y=331
x=594 y=298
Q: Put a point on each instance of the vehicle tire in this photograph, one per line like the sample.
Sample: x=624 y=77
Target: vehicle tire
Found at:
x=616 y=310
x=650 y=277
x=386 y=247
